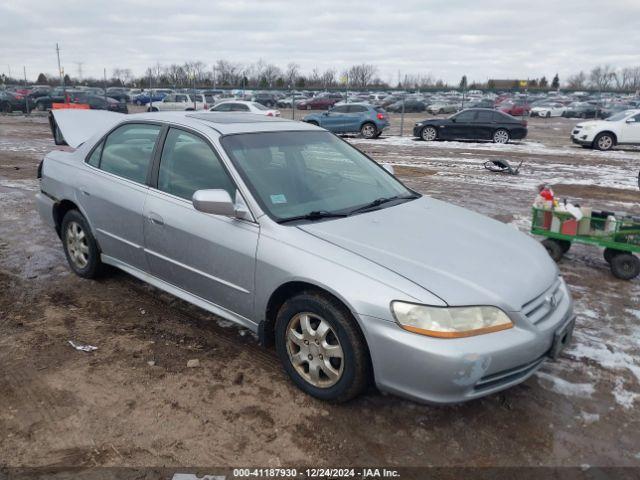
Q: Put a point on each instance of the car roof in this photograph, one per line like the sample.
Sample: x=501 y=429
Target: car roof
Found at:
x=225 y=123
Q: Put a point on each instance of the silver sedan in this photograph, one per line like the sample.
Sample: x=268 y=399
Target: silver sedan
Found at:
x=291 y=232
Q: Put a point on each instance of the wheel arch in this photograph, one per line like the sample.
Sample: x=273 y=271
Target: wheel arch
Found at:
x=286 y=291
x=60 y=209
x=610 y=132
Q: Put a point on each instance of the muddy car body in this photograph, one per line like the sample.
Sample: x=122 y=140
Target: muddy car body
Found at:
x=437 y=303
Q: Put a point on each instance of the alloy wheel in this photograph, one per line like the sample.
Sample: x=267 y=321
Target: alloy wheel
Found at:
x=368 y=130
x=314 y=350
x=429 y=134
x=605 y=142
x=501 y=136
x=77 y=245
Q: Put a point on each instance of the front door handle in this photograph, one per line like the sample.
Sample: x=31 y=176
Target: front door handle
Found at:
x=155 y=218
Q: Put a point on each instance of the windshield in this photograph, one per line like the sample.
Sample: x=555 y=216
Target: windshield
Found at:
x=259 y=106
x=619 y=116
x=296 y=173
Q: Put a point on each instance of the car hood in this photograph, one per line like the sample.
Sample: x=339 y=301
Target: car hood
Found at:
x=593 y=123
x=462 y=257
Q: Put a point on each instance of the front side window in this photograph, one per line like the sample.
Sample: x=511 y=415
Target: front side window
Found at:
x=128 y=150
x=295 y=173
x=94 y=158
x=189 y=164
x=239 y=107
x=340 y=109
x=467 y=116
x=223 y=107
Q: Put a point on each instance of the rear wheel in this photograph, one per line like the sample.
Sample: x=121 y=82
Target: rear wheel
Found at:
x=609 y=253
x=501 y=136
x=79 y=246
x=625 y=266
x=554 y=249
x=368 y=130
x=604 y=142
x=429 y=134
x=321 y=347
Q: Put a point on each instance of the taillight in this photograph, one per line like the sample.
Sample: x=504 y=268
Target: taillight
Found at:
x=380 y=116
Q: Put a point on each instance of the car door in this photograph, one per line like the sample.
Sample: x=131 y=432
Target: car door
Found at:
x=167 y=103
x=210 y=256
x=334 y=119
x=463 y=125
x=483 y=125
x=630 y=130
x=353 y=117
x=113 y=190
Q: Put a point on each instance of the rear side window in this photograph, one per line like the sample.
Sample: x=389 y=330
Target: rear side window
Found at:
x=189 y=164
x=357 y=109
x=484 y=117
x=94 y=158
x=501 y=117
x=340 y=109
x=128 y=150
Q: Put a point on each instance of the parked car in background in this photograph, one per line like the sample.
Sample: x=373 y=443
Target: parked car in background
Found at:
x=623 y=128
x=145 y=97
x=514 y=108
x=472 y=124
x=267 y=99
x=410 y=106
x=580 y=110
x=321 y=102
x=12 y=101
x=363 y=118
x=547 y=110
x=441 y=108
x=244 y=106
x=57 y=95
x=100 y=102
x=180 y=101
x=288 y=102
x=119 y=93
x=484 y=103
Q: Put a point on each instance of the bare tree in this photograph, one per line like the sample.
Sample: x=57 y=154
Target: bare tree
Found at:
x=329 y=78
x=292 y=73
x=602 y=77
x=361 y=75
x=577 y=81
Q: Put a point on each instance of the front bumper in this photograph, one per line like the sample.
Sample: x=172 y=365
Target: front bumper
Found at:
x=581 y=137
x=445 y=371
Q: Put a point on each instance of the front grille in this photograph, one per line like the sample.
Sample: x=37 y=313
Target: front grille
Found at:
x=509 y=375
x=541 y=307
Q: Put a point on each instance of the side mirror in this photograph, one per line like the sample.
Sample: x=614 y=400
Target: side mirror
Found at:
x=389 y=168
x=216 y=202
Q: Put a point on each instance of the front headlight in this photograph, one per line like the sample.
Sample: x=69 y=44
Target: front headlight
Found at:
x=418 y=124
x=452 y=322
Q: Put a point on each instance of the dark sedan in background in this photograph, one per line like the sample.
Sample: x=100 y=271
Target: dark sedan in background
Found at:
x=580 y=110
x=473 y=124
x=12 y=101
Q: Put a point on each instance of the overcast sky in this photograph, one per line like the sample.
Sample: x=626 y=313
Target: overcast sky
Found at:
x=445 y=38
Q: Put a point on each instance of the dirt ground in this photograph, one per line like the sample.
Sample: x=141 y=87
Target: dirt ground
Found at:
x=134 y=402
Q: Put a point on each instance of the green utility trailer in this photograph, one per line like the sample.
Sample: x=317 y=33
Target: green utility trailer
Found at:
x=619 y=236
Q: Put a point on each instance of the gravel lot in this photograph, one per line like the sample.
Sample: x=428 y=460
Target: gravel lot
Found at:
x=134 y=402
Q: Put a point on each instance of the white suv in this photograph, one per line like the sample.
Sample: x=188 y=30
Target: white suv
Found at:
x=180 y=101
x=621 y=128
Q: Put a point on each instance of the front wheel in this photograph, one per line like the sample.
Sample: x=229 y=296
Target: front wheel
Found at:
x=368 y=130
x=321 y=347
x=40 y=107
x=79 y=246
x=604 y=142
x=501 y=136
x=429 y=134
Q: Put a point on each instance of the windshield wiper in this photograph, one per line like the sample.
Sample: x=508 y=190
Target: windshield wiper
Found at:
x=314 y=215
x=379 y=201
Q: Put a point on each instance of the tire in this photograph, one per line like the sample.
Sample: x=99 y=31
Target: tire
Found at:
x=441 y=111
x=428 y=134
x=5 y=108
x=625 y=266
x=548 y=115
x=349 y=374
x=40 y=107
x=583 y=115
x=79 y=246
x=609 y=253
x=565 y=245
x=368 y=130
x=554 y=249
x=138 y=103
x=501 y=136
x=308 y=107
x=604 y=141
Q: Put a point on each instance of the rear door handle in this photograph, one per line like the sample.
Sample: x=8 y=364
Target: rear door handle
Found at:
x=155 y=218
